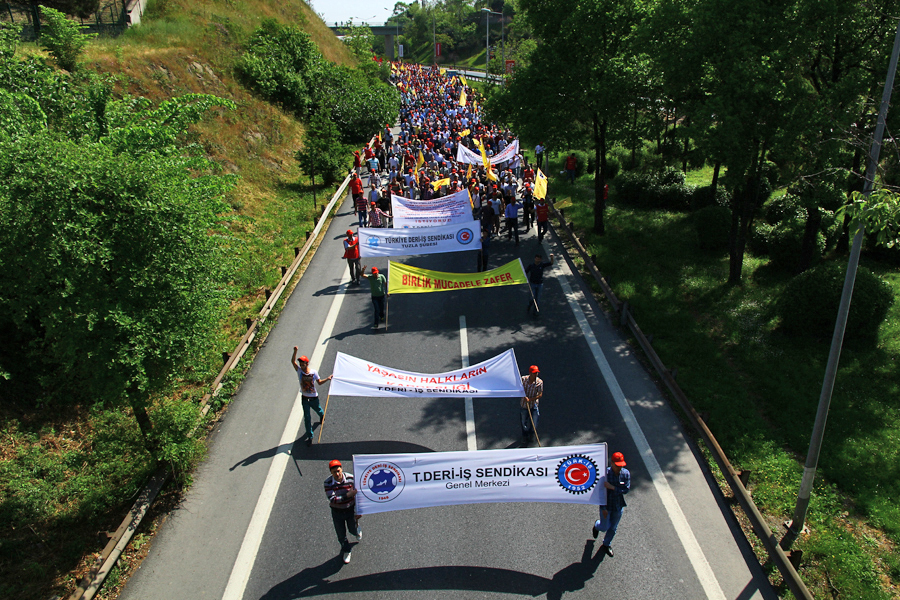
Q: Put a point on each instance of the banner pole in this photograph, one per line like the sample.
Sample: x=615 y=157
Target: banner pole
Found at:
x=533 y=428
x=530 y=291
x=324 y=414
x=387 y=310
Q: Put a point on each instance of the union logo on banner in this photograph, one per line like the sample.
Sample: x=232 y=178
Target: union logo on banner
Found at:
x=464 y=236
x=382 y=482
x=577 y=474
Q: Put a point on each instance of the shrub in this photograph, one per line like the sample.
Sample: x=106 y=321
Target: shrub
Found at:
x=703 y=197
x=62 y=38
x=809 y=304
x=713 y=225
x=664 y=189
x=788 y=206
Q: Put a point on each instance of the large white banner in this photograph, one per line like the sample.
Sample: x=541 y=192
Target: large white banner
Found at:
x=468 y=157
x=448 y=210
x=374 y=242
x=497 y=377
x=567 y=474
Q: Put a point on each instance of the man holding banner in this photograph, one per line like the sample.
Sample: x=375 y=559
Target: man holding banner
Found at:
x=342 y=500
x=529 y=413
x=378 y=287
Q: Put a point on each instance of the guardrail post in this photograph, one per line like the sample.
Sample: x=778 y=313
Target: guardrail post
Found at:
x=704 y=416
x=308 y=233
x=795 y=556
x=268 y=293
x=623 y=316
x=248 y=322
x=562 y=215
x=744 y=476
x=225 y=357
x=650 y=338
x=674 y=373
x=297 y=250
x=283 y=271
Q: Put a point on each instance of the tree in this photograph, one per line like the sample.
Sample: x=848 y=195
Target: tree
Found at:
x=112 y=268
x=573 y=101
x=62 y=38
x=322 y=153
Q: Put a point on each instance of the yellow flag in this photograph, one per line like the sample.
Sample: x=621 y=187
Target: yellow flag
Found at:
x=420 y=160
x=440 y=182
x=463 y=79
x=464 y=132
x=487 y=163
x=469 y=172
x=462 y=98
x=404 y=279
x=443 y=71
x=540 y=185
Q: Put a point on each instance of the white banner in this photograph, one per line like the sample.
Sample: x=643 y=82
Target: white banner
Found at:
x=468 y=157
x=497 y=377
x=448 y=210
x=567 y=474
x=374 y=242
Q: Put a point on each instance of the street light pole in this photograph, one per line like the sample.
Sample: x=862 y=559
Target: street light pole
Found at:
x=815 y=444
x=487 y=43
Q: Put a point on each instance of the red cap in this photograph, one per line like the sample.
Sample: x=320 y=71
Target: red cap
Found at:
x=618 y=459
x=375 y=270
x=533 y=369
x=334 y=463
x=372 y=203
x=349 y=232
x=303 y=359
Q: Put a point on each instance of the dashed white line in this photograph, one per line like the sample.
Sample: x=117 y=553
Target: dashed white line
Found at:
x=471 y=442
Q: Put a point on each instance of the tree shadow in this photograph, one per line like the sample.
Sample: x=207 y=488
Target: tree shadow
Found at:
x=299 y=451
x=315 y=581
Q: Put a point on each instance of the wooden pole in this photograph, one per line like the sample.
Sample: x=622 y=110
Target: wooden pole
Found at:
x=533 y=428
x=324 y=414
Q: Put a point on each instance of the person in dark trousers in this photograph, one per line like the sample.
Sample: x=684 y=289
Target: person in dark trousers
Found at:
x=534 y=389
x=535 y=273
x=351 y=253
x=378 y=286
x=512 y=219
x=483 y=254
x=542 y=214
x=342 y=500
x=617 y=483
x=309 y=379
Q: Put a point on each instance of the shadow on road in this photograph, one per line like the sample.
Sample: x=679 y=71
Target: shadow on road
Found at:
x=325 y=451
x=316 y=581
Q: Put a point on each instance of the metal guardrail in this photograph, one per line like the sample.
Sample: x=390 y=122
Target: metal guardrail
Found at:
x=119 y=540
x=736 y=481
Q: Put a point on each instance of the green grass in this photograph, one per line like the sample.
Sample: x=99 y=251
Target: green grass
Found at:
x=761 y=388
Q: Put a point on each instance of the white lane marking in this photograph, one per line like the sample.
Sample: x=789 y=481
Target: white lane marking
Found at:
x=240 y=573
x=471 y=442
x=679 y=521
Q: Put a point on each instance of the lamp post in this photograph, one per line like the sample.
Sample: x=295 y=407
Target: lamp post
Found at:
x=488 y=12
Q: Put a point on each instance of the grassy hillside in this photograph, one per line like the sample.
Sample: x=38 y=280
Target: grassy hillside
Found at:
x=67 y=473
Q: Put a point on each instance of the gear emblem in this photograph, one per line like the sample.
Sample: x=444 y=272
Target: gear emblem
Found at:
x=577 y=474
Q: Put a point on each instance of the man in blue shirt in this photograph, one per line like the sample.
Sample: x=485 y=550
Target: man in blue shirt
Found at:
x=618 y=483
x=512 y=219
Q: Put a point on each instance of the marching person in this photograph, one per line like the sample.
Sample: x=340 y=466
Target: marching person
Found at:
x=512 y=219
x=342 y=500
x=542 y=212
x=617 y=483
x=378 y=287
x=528 y=406
x=535 y=273
x=351 y=253
x=309 y=378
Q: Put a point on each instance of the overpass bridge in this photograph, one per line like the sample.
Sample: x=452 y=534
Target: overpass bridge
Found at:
x=389 y=32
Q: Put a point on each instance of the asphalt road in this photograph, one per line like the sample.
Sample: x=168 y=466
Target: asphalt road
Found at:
x=676 y=539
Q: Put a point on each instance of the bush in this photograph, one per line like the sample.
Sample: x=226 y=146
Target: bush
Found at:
x=788 y=206
x=703 y=197
x=713 y=225
x=664 y=189
x=809 y=304
x=62 y=38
